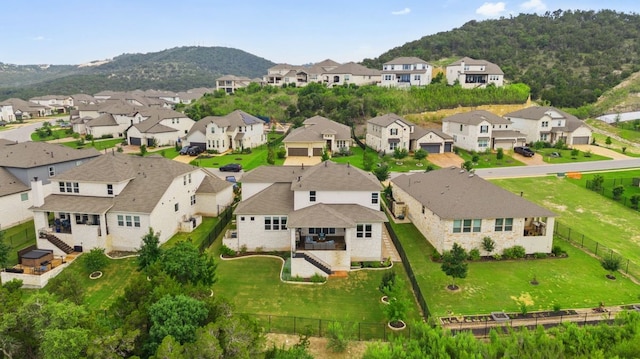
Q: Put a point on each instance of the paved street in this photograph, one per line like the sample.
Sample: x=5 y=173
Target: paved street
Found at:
x=22 y=132
x=542 y=170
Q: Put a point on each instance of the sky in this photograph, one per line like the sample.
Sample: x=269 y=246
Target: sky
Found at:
x=283 y=31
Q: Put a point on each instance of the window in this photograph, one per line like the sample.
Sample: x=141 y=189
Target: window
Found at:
x=387 y=77
x=423 y=210
x=460 y=127
x=267 y=223
x=189 y=177
x=416 y=77
x=363 y=231
x=374 y=198
x=252 y=219
x=129 y=221
x=275 y=223
x=393 y=146
x=504 y=224
x=466 y=225
x=483 y=143
x=544 y=137
x=283 y=223
x=109 y=189
x=322 y=230
x=136 y=221
x=184 y=180
x=484 y=129
x=69 y=187
x=406 y=67
x=52 y=171
x=312 y=196
x=24 y=197
x=242 y=219
x=545 y=123
x=193 y=199
x=120 y=220
x=213 y=129
x=346 y=77
x=176 y=207
x=393 y=131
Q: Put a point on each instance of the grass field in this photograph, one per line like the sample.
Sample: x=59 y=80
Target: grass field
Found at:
x=99 y=144
x=56 y=134
x=19 y=237
x=567 y=157
x=487 y=160
x=574 y=282
x=257 y=157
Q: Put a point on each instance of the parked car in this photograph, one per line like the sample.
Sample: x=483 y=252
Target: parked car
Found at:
x=3 y=123
x=231 y=167
x=194 y=151
x=184 y=150
x=525 y=151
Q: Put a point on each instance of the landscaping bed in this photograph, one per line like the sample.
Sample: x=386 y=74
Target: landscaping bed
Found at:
x=502 y=317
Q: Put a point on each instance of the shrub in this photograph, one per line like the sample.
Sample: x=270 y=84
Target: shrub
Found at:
x=400 y=153
x=556 y=307
x=497 y=257
x=500 y=154
x=635 y=201
x=88 y=137
x=243 y=249
x=488 y=244
x=467 y=165
x=317 y=278
x=540 y=255
x=558 y=251
x=475 y=158
x=382 y=172
x=388 y=280
x=226 y=251
x=282 y=153
x=436 y=256
x=618 y=191
x=338 y=337
x=420 y=154
x=514 y=252
x=587 y=153
x=95 y=260
x=575 y=152
x=611 y=264
x=474 y=254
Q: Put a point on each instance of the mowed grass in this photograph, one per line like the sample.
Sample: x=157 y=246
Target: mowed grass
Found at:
x=574 y=282
x=611 y=178
x=395 y=165
x=97 y=144
x=253 y=285
x=603 y=220
x=488 y=160
x=19 y=237
x=567 y=157
x=257 y=157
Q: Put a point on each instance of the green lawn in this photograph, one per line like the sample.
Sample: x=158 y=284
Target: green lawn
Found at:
x=257 y=157
x=611 y=179
x=395 y=165
x=574 y=282
x=487 y=160
x=56 y=134
x=197 y=236
x=19 y=237
x=99 y=145
x=567 y=157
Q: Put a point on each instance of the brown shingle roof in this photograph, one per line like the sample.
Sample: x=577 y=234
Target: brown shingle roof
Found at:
x=274 y=174
x=389 y=118
x=489 y=67
x=405 y=61
x=334 y=215
x=354 y=69
x=35 y=154
x=331 y=176
x=452 y=193
x=213 y=184
x=10 y=184
x=81 y=204
x=315 y=127
x=476 y=117
x=275 y=199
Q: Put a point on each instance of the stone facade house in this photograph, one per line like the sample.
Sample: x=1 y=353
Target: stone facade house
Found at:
x=316 y=134
x=390 y=131
x=472 y=73
x=481 y=130
x=234 y=131
x=548 y=124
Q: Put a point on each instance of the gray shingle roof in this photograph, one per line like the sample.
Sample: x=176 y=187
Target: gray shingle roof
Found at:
x=451 y=193
x=537 y=112
x=275 y=199
x=331 y=176
x=274 y=174
x=334 y=215
x=80 y=204
x=213 y=184
x=476 y=117
x=389 y=118
x=489 y=67
x=315 y=127
x=405 y=61
x=233 y=120
x=10 y=184
x=419 y=132
x=35 y=154
x=352 y=68
x=106 y=119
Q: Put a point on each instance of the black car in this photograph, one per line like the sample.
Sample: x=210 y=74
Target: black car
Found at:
x=185 y=150
x=525 y=151
x=231 y=167
x=194 y=151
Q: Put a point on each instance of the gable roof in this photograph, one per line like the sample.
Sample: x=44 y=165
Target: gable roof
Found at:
x=233 y=120
x=406 y=60
x=331 y=176
x=212 y=184
x=315 y=127
x=274 y=174
x=105 y=119
x=452 y=193
x=419 y=132
x=476 y=117
x=36 y=154
x=10 y=184
x=489 y=67
x=334 y=215
x=538 y=112
x=389 y=118
x=275 y=199
x=354 y=69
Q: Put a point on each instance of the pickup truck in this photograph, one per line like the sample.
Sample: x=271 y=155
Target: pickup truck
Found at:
x=525 y=151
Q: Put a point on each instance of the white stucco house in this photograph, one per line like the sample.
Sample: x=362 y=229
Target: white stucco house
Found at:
x=160 y=127
x=21 y=163
x=327 y=215
x=548 y=124
x=352 y=73
x=316 y=134
x=451 y=205
x=406 y=72
x=111 y=202
x=472 y=73
x=480 y=130
x=234 y=131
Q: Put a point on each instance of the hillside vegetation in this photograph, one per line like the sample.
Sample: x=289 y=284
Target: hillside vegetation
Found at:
x=175 y=69
x=568 y=58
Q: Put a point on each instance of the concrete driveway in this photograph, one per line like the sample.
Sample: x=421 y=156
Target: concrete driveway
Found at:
x=302 y=160
x=447 y=159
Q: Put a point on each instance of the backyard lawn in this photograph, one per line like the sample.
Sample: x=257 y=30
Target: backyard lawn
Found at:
x=574 y=282
x=257 y=157
x=486 y=160
x=585 y=211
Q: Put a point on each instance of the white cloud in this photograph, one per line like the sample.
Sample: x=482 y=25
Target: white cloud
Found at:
x=491 y=9
x=404 y=11
x=535 y=5
x=38 y=38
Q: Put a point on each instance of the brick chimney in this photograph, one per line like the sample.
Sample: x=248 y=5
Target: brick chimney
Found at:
x=37 y=192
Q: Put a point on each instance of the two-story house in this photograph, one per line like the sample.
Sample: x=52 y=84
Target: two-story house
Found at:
x=451 y=205
x=230 y=83
x=20 y=163
x=327 y=215
x=352 y=73
x=317 y=134
x=472 y=73
x=388 y=132
x=548 y=124
x=59 y=104
x=114 y=119
x=6 y=113
x=481 y=130
x=406 y=72
x=161 y=127
x=234 y=131
x=111 y=202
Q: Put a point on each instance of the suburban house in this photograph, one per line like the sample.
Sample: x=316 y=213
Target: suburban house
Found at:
x=230 y=83
x=285 y=74
x=111 y=202
x=352 y=73
x=327 y=215
x=161 y=127
x=472 y=73
x=21 y=163
x=481 y=130
x=24 y=110
x=406 y=72
x=114 y=119
x=548 y=124
x=235 y=131
x=59 y=104
x=390 y=131
x=6 y=113
x=451 y=205
x=316 y=134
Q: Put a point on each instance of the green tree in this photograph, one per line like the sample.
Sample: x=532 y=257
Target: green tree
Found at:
x=271 y=158
x=635 y=201
x=186 y=264
x=608 y=140
x=382 y=172
x=420 y=154
x=149 y=251
x=325 y=154
x=618 y=191
x=400 y=153
x=178 y=316
x=67 y=285
x=396 y=310
x=95 y=260
x=454 y=264
x=500 y=154
x=143 y=149
x=611 y=264
x=596 y=183
x=5 y=250
x=113 y=344
x=467 y=165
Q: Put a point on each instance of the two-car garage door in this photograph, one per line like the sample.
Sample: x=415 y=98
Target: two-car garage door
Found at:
x=430 y=147
x=294 y=151
x=581 y=140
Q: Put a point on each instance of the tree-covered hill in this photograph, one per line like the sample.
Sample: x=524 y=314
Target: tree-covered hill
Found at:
x=175 y=69
x=568 y=58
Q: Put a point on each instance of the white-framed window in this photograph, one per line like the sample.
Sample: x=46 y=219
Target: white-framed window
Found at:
x=466 y=225
x=109 y=189
x=387 y=77
x=416 y=77
x=393 y=131
x=504 y=225
x=545 y=124
x=252 y=219
x=267 y=223
x=544 y=137
x=393 y=146
x=69 y=187
x=52 y=171
x=460 y=127
x=374 y=197
x=127 y=221
x=242 y=219
x=136 y=221
x=484 y=129
x=363 y=231
x=213 y=129
x=346 y=77
x=483 y=143
x=406 y=67
x=325 y=230
x=120 y=220
x=193 y=199
x=189 y=177
x=24 y=196
x=312 y=196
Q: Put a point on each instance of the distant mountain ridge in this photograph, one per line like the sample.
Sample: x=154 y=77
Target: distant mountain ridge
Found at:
x=174 y=69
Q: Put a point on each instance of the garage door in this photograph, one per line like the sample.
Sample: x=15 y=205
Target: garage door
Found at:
x=430 y=148
x=317 y=151
x=448 y=147
x=202 y=145
x=581 y=140
x=293 y=151
x=505 y=145
x=135 y=141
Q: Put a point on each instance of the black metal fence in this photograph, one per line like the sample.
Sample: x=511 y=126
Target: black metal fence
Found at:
x=224 y=219
x=607 y=189
x=355 y=138
x=320 y=327
x=23 y=237
x=407 y=267
x=588 y=244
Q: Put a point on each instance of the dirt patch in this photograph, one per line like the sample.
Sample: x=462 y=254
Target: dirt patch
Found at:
x=317 y=346
x=529 y=161
x=602 y=151
x=444 y=160
x=524 y=298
